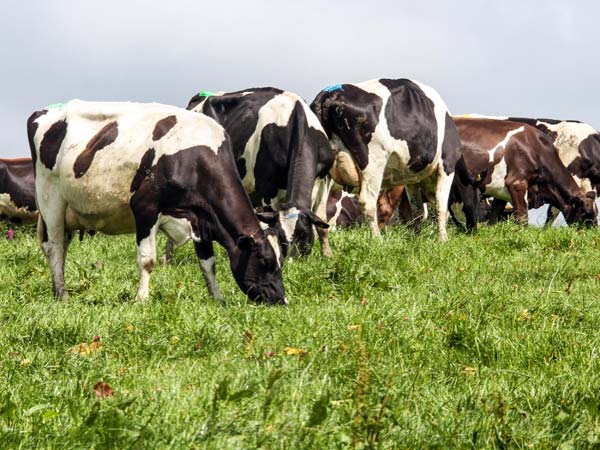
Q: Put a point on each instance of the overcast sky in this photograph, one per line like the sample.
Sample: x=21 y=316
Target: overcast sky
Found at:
x=519 y=57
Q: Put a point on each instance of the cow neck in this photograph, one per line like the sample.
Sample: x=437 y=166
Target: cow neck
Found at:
x=565 y=185
x=302 y=170
x=233 y=221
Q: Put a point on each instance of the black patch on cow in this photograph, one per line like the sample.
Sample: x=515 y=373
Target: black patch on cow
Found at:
x=451 y=146
x=318 y=141
x=241 y=167
x=352 y=114
x=32 y=127
x=410 y=117
x=143 y=170
x=272 y=159
x=101 y=139
x=51 y=142
x=163 y=126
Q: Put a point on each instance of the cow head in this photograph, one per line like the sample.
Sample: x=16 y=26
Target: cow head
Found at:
x=296 y=227
x=582 y=210
x=350 y=113
x=257 y=270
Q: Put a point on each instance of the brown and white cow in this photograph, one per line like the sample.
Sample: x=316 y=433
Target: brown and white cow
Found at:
x=515 y=162
x=17 y=190
x=130 y=167
x=391 y=132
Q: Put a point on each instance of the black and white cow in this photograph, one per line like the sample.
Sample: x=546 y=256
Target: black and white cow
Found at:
x=282 y=154
x=391 y=132
x=130 y=167
x=17 y=190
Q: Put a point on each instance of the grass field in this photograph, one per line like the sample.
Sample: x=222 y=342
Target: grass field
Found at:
x=487 y=341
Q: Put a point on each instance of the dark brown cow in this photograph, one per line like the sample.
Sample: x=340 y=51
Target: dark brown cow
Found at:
x=515 y=162
x=17 y=190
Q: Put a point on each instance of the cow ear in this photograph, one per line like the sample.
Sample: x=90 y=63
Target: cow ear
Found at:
x=245 y=242
x=316 y=220
x=591 y=194
x=268 y=217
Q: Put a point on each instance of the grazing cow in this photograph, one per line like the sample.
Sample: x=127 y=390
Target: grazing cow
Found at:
x=280 y=149
x=343 y=208
x=17 y=190
x=125 y=167
x=515 y=162
x=391 y=132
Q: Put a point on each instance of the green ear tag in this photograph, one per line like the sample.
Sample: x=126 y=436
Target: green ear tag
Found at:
x=55 y=105
x=206 y=93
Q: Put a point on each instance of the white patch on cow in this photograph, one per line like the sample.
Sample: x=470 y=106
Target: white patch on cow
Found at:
x=479 y=116
x=146 y=259
x=274 y=242
x=338 y=209
x=503 y=142
x=568 y=137
x=497 y=187
x=288 y=219
x=243 y=94
x=9 y=209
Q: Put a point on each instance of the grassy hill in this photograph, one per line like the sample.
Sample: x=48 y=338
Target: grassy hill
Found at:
x=487 y=341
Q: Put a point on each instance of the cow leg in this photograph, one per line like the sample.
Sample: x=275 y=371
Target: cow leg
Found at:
x=518 y=192
x=54 y=242
x=146 y=259
x=320 y=195
x=370 y=186
x=168 y=255
x=417 y=208
x=442 y=192
x=496 y=210
x=206 y=257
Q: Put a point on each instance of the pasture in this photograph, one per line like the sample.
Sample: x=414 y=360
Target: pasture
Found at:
x=486 y=341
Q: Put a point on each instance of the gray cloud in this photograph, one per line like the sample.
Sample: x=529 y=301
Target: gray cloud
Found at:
x=510 y=57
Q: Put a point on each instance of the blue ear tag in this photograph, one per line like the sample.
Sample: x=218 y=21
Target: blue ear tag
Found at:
x=292 y=216
x=335 y=87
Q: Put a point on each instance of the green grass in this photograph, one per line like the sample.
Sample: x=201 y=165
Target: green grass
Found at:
x=487 y=341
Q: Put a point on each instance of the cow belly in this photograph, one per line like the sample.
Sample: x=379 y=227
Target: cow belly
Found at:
x=178 y=229
x=497 y=187
x=397 y=171
x=9 y=209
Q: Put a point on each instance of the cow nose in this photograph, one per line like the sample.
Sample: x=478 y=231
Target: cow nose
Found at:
x=285 y=302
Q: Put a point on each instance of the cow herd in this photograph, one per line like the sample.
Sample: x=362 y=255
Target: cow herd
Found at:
x=260 y=170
